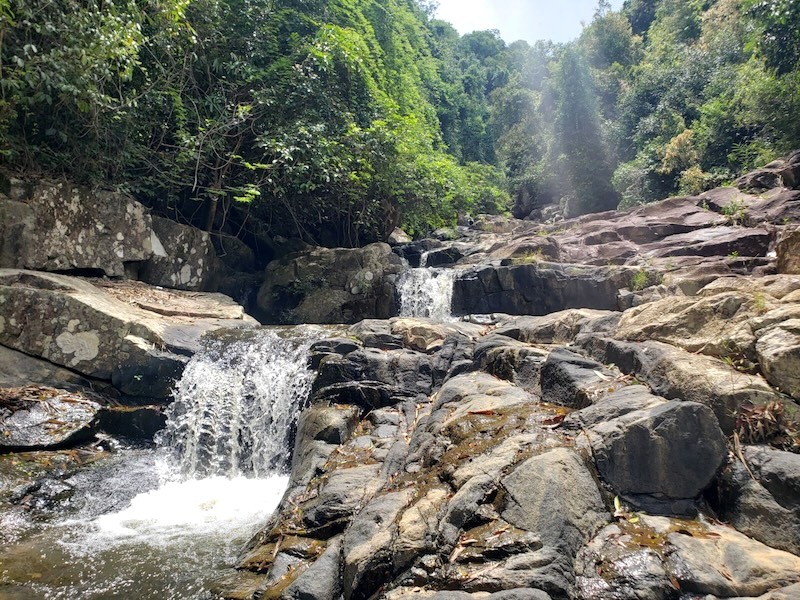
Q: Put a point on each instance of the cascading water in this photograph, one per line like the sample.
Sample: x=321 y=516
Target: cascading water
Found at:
x=426 y=292
x=162 y=523
x=236 y=405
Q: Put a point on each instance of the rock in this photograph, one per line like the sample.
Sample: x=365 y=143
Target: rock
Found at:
x=788 y=251
x=725 y=563
x=183 y=257
x=538 y=289
x=420 y=335
x=569 y=379
x=563 y=511
x=63 y=227
x=677 y=374
x=554 y=328
x=331 y=285
x=91 y=330
x=664 y=558
x=398 y=237
x=443 y=256
x=36 y=417
x=413 y=252
x=625 y=400
x=377 y=334
x=329 y=424
x=344 y=492
x=367 y=548
x=132 y=422
x=715 y=241
x=18 y=370
x=780 y=173
x=663 y=454
x=321 y=581
x=762 y=502
x=778 y=351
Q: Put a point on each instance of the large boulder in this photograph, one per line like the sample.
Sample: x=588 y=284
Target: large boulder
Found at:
x=667 y=453
x=183 y=257
x=61 y=227
x=104 y=332
x=327 y=285
x=778 y=351
x=538 y=288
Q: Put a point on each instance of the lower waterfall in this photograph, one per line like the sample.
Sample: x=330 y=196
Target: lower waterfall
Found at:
x=426 y=292
x=236 y=405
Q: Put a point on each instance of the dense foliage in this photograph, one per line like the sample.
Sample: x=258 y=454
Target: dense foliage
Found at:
x=336 y=120
x=318 y=115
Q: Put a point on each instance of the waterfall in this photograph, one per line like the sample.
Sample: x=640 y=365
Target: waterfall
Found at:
x=236 y=405
x=426 y=292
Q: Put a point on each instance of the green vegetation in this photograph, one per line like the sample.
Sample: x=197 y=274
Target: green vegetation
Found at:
x=337 y=121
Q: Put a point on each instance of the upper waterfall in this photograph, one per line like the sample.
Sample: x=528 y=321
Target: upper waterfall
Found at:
x=426 y=292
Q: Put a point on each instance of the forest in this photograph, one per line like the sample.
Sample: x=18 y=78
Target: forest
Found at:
x=334 y=121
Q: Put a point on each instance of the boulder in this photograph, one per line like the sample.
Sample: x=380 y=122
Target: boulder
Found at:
x=132 y=422
x=761 y=499
x=18 y=370
x=340 y=497
x=398 y=237
x=56 y=226
x=784 y=172
x=675 y=373
x=788 y=251
x=778 y=349
x=667 y=453
x=93 y=331
x=666 y=558
x=327 y=285
x=617 y=404
x=36 y=417
x=538 y=289
x=183 y=257
x=569 y=379
x=321 y=581
x=555 y=328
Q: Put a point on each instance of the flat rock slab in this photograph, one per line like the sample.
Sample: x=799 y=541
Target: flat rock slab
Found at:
x=36 y=417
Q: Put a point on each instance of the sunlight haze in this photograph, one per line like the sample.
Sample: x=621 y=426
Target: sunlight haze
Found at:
x=528 y=20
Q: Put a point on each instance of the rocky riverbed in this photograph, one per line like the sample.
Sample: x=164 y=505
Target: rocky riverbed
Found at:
x=609 y=411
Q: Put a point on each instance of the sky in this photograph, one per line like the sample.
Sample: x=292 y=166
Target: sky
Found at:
x=530 y=20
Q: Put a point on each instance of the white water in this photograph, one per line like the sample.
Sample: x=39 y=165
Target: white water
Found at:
x=155 y=524
x=426 y=292
x=236 y=405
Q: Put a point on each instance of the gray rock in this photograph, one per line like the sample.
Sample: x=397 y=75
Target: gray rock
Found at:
x=329 y=424
x=66 y=227
x=132 y=422
x=368 y=545
x=538 y=289
x=183 y=257
x=558 y=327
x=625 y=400
x=344 y=492
x=18 y=369
x=778 y=351
x=569 y=379
x=36 y=417
x=326 y=285
x=376 y=333
x=563 y=511
x=669 y=452
x=322 y=580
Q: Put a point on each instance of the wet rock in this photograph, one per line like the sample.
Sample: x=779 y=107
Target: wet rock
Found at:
x=569 y=379
x=660 y=455
x=412 y=252
x=778 y=349
x=443 y=256
x=329 y=424
x=183 y=257
x=788 y=251
x=331 y=285
x=132 y=422
x=56 y=226
x=367 y=395
x=321 y=581
x=36 y=417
